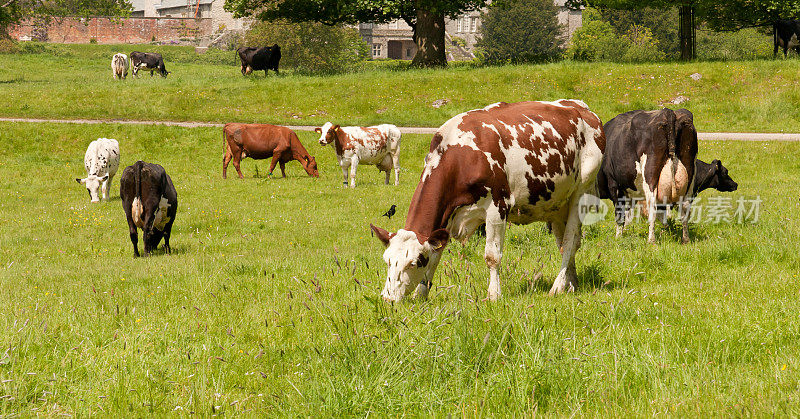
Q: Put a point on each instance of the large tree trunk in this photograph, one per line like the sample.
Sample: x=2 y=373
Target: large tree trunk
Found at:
x=687 y=33
x=429 y=36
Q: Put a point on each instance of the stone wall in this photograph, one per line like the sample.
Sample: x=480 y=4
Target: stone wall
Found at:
x=114 y=31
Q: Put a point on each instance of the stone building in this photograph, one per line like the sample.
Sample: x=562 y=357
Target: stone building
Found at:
x=394 y=40
x=198 y=9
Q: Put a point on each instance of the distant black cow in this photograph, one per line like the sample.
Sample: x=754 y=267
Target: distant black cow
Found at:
x=148 y=61
x=266 y=58
x=785 y=33
x=650 y=155
x=150 y=203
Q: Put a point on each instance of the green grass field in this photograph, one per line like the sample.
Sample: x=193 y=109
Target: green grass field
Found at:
x=232 y=322
x=74 y=81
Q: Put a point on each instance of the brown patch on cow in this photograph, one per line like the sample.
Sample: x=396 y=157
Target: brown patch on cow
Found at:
x=435 y=141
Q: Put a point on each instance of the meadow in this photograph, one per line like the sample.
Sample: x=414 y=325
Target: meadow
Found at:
x=74 y=81
x=269 y=304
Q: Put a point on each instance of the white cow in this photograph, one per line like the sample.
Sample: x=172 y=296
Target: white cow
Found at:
x=378 y=145
x=101 y=161
x=119 y=66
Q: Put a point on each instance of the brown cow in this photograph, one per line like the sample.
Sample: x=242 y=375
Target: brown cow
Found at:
x=261 y=141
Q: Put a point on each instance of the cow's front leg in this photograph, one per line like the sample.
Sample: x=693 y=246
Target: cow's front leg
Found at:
x=283 y=169
x=353 y=167
x=686 y=211
x=493 y=253
x=275 y=157
x=388 y=175
x=345 y=170
x=570 y=233
x=104 y=188
x=650 y=203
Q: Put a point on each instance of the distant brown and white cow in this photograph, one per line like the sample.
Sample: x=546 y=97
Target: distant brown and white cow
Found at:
x=150 y=202
x=650 y=155
x=119 y=66
x=262 y=141
x=518 y=163
x=378 y=145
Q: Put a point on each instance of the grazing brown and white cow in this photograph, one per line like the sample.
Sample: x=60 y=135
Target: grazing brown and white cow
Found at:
x=650 y=155
x=518 y=163
x=150 y=203
x=378 y=145
x=119 y=66
x=261 y=141
x=101 y=162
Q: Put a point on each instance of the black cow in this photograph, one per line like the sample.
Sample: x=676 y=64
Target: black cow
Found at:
x=152 y=61
x=712 y=176
x=150 y=203
x=266 y=58
x=785 y=34
x=650 y=155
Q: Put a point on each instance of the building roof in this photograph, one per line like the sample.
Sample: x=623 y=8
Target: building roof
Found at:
x=138 y=5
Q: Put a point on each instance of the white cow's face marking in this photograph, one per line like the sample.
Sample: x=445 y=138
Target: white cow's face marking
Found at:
x=326 y=136
x=408 y=263
x=93 y=184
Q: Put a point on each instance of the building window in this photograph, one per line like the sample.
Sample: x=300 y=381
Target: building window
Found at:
x=460 y=24
x=376 y=50
x=474 y=25
x=408 y=52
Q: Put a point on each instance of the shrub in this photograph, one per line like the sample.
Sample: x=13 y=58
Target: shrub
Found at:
x=596 y=40
x=311 y=47
x=8 y=46
x=517 y=31
x=747 y=44
x=642 y=46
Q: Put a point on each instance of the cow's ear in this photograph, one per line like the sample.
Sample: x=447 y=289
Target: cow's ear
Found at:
x=104 y=178
x=438 y=239
x=717 y=164
x=318 y=130
x=79 y=180
x=383 y=235
x=336 y=128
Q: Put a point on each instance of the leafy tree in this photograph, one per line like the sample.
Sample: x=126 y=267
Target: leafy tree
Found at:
x=596 y=40
x=311 y=47
x=719 y=15
x=426 y=17
x=13 y=11
x=518 y=31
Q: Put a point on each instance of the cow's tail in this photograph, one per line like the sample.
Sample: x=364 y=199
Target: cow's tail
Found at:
x=137 y=175
x=672 y=145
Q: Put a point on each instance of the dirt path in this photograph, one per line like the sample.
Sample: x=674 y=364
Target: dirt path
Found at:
x=721 y=136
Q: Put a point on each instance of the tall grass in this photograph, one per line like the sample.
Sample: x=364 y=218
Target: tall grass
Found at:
x=269 y=304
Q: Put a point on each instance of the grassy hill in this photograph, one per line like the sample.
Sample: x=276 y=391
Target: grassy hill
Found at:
x=74 y=81
x=232 y=322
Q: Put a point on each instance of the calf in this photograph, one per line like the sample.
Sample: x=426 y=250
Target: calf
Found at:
x=785 y=33
x=518 y=163
x=378 y=145
x=101 y=162
x=261 y=141
x=119 y=66
x=152 y=61
x=649 y=154
x=266 y=58
x=150 y=203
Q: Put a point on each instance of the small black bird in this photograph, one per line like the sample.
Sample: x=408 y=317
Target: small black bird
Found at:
x=391 y=212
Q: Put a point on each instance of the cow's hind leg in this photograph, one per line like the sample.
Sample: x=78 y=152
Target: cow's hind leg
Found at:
x=493 y=253
x=396 y=165
x=237 y=161
x=167 y=232
x=685 y=211
x=132 y=229
x=569 y=242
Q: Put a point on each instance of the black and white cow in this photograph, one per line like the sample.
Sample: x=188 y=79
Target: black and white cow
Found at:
x=152 y=61
x=266 y=58
x=785 y=34
x=119 y=66
x=712 y=176
x=150 y=203
x=101 y=162
x=649 y=155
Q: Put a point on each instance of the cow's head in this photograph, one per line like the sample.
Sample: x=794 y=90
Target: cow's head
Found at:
x=310 y=164
x=722 y=181
x=327 y=133
x=93 y=183
x=410 y=259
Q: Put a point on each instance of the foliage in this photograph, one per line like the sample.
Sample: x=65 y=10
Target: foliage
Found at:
x=311 y=47
x=519 y=31
x=660 y=22
x=596 y=40
x=642 y=47
x=746 y=44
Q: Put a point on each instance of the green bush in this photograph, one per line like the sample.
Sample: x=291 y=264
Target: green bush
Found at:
x=596 y=40
x=312 y=48
x=642 y=46
x=520 y=31
x=747 y=44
